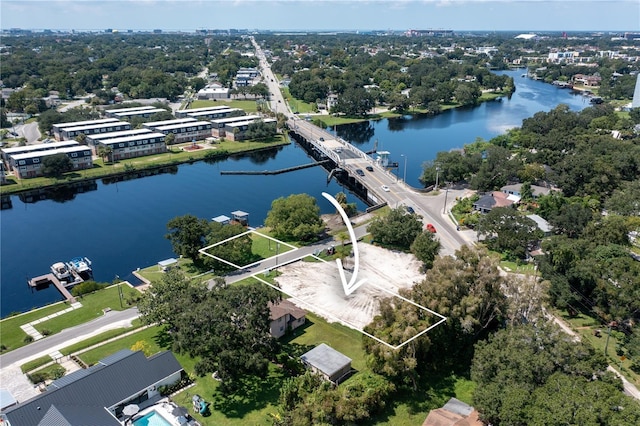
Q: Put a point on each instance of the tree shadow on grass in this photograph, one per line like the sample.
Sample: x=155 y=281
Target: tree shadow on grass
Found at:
x=163 y=339
x=255 y=393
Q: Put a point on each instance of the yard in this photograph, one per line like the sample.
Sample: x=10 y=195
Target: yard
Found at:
x=12 y=336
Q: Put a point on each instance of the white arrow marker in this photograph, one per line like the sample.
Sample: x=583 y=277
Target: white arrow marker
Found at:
x=348 y=287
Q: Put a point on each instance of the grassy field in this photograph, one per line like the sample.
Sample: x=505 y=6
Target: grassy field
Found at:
x=154 y=273
x=93 y=306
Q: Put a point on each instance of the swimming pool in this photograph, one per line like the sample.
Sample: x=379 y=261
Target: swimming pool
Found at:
x=152 y=418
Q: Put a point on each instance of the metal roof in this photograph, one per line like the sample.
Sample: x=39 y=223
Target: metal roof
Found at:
x=85 y=400
x=326 y=359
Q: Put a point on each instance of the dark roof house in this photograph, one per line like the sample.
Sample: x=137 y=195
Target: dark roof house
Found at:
x=492 y=200
x=285 y=316
x=96 y=396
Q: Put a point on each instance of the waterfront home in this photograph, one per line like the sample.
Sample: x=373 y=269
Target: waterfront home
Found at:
x=29 y=164
x=97 y=395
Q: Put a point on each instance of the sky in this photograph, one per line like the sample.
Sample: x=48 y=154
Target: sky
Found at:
x=318 y=15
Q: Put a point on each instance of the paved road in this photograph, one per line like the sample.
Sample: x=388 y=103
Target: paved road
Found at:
x=290 y=256
x=31 y=132
x=111 y=320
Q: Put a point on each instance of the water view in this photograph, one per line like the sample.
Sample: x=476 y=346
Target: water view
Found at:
x=121 y=226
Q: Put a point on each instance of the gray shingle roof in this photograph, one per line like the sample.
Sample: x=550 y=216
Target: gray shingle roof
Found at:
x=82 y=401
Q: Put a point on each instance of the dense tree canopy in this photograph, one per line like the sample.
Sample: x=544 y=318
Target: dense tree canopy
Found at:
x=226 y=327
x=537 y=374
x=56 y=165
x=187 y=235
x=296 y=217
x=397 y=229
x=467 y=290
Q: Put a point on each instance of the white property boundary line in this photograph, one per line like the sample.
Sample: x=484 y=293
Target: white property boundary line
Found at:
x=314 y=308
x=250 y=231
x=322 y=312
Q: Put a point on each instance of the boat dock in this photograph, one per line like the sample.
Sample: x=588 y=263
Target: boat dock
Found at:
x=47 y=279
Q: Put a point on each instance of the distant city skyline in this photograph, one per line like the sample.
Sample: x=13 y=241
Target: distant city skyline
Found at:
x=324 y=15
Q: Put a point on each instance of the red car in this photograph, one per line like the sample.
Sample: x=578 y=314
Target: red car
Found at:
x=430 y=228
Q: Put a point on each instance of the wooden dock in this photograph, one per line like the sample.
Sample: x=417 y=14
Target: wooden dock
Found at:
x=272 y=172
x=47 y=279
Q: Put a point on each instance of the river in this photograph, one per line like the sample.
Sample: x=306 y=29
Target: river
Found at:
x=121 y=226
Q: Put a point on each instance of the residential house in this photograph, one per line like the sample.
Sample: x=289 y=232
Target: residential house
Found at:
x=543 y=225
x=453 y=413
x=587 y=80
x=98 y=394
x=494 y=199
x=329 y=363
x=516 y=189
x=285 y=316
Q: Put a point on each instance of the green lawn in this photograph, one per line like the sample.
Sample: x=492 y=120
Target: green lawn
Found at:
x=266 y=247
x=12 y=336
x=154 y=273
x=92 y=307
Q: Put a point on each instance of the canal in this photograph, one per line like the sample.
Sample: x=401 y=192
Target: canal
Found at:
x=121 y=226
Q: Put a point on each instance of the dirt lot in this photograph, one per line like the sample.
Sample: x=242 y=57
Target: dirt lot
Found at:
x=318 y=284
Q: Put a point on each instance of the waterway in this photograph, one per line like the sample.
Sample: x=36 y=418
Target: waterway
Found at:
x=121 y=226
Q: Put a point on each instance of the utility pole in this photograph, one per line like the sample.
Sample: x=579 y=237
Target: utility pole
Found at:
x=435 y=188
x=446 y=194
x=405 y=168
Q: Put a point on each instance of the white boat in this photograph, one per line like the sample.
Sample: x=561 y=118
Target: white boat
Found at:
x=81 y=265
x=61 y=271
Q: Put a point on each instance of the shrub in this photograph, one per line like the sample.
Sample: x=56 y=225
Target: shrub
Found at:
x=28 y=338
x=45 y=332
x=87 y=287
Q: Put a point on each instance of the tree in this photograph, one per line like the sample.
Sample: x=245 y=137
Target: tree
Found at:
x=237 y=250
x=56 y=165
x=296 y=217
x=397 y=229
x=518 y=361
x=104 y=151
x=226 y=327
x=187 y=235
x=467 y=290
x=507 y=231
x=170 y=139
x=571 y=219
x=425 y=248
x=349 y=208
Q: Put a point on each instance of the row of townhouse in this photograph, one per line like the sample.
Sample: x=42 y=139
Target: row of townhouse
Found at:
x=133 y=112
x=185 y=129
x=131 y=146
x=68 y=131
x=209 y=113
x=29 y=163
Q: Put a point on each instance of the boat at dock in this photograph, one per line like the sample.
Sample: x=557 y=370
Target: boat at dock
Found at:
x=61 y=271
x=81 y=266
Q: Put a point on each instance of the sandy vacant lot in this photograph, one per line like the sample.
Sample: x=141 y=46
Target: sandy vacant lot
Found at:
x=318 y=284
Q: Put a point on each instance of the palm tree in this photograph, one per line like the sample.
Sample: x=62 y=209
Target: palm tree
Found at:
x=104 y=151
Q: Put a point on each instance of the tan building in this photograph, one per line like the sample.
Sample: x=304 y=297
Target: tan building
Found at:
x=285 y=316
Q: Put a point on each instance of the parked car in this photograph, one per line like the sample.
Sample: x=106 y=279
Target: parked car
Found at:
x=385 y=188
x=410 y=210
x=369 y=168
x=359 y=172
x=321 y=139
x=430 y=228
